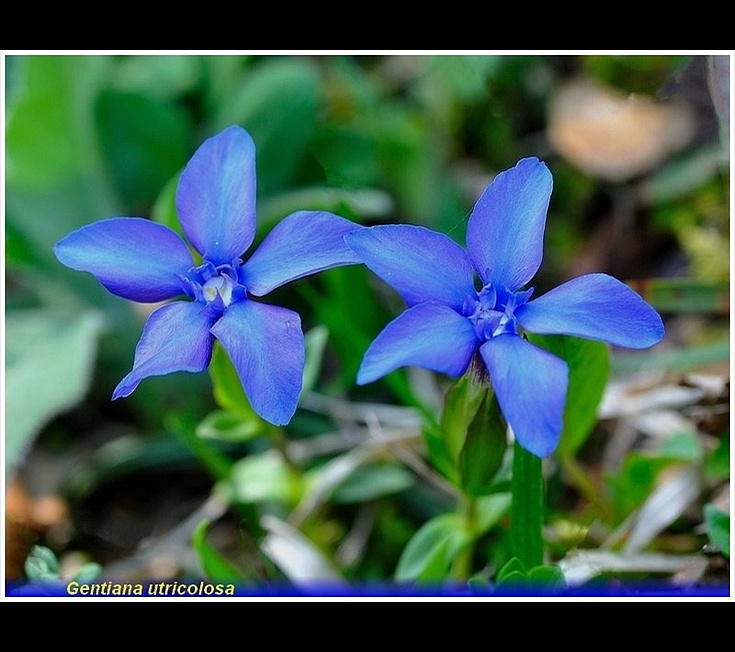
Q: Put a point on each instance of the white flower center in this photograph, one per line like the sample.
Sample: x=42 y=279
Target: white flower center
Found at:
x=221 y=285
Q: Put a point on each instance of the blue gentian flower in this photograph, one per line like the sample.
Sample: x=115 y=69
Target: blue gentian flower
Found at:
x=145 y=261
x=448 y=320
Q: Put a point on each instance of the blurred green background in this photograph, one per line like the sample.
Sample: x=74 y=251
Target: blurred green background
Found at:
x=639 y=147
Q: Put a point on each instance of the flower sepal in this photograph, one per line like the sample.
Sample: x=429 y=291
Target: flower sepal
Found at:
x=470 y=443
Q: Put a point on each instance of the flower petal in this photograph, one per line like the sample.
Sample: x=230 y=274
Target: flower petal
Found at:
x=420 y=264
x=266 y=345
x=303 y=243
x=427 y=335
x=134 y=258
x=531 y=387
x=505 y=233
x=176 y=337
x=596 y=307
x=215 y=197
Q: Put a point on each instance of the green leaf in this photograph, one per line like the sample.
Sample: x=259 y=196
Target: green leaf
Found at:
x=229 y=426
x=372 y=482
x=482 y=453
x=717 y=463
x=436 y=449
x=479 y=583
x=684 y=446
x=589 y=370
x=164 y=209
x=55 y=177
x=684 y=295
x=635 y=480
x=164 y=76
x=512 y=568
x=48 y=367
x=277 y=103
x=263 y=477
x=145 y=142
x=42 y=564
x=227 y=388
x=490 y=509
x=718 y=528
x=515 y=574
x=429 y=554
x=463 y=78
x=18 y=251
x=550 y=576
x=683 y=175
x=681 y=359
x=217 y=567
x=49 y=130
x=364 y=202
x=315 y=342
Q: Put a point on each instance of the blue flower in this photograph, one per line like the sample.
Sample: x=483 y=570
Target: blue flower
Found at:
x=448 y=320
x=145 y=261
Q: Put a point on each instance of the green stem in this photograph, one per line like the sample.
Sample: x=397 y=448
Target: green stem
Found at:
x=462 y=565
x=527 y=508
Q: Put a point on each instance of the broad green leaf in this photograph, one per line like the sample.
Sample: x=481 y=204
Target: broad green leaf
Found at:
x=216 y=566
x=717 y=463
x=18 y=251
x=490 y=509
x=429 y=554
x=484 y=447
x=221 y=73
x=160 y=76
x=225 y=425
x=512 y=568
x=550 y=576
x=277 y=103
x=514 y=574
x=465 y=77
x=144 y=141
x=632 y=484
x=684 y=446
x=348 y=158
x=49 y=130
x=371 y=482
x=513 y=578
x=228 y=391
x=407 y=152
x=363 y=202
x=263 y=477
x=164 y=209
x=718 y=528
x=683 y=175
x=49 y=361
x=55 y=179
x=589 y=370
